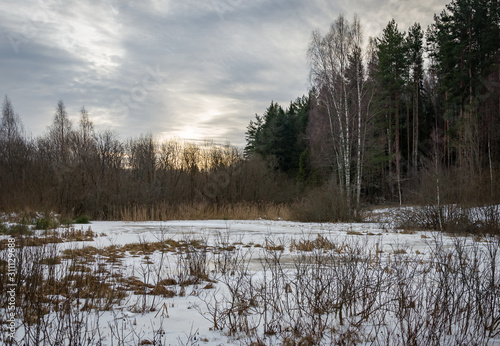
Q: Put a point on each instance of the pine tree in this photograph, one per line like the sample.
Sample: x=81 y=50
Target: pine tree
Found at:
x=278 y=136
x=393 y=67
x=465 y=38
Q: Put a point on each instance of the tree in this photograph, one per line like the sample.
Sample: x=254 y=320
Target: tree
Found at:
x=329 y=60
x=11 y=127
x=252 y=136
x=110 y=156
x=393 y=66
x=84 y=162
x=10 y=132
x=85 y=141
x=465 y=48
x=15 y=156
x=86 y=126
x=362 y=101
x=142 y=159
x=278 y=136
x=466 y=43
x=415 y=59
x=60 y=133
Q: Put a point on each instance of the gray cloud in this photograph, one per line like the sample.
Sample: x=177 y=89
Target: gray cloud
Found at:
x=188 y=69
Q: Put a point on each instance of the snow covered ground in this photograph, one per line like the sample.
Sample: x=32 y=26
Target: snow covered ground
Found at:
x=186 y=318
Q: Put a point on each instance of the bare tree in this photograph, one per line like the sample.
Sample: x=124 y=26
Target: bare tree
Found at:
x=60 y=132
x=11 y=128
x=363 y=100
x=16 y=155
x=337 y=76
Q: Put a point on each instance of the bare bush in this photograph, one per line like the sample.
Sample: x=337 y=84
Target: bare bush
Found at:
x=351 y=293
x=458 y=219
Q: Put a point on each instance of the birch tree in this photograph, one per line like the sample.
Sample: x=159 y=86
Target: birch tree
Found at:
x=416 y=61
x=362 y=101
x=337 y=76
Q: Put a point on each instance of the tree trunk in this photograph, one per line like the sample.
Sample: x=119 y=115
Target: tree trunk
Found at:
x=490 y=166
x=415 y=125
x=347 y=152
x=438 y=193
x=408 y=151
x=358 y=167
x=398 y=153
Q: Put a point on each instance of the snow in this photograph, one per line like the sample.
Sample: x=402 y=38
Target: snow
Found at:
x=183 y=319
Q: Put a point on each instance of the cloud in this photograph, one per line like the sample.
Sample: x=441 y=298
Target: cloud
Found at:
x=217 y=62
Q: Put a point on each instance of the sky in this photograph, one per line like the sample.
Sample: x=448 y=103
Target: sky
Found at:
x=192 y=70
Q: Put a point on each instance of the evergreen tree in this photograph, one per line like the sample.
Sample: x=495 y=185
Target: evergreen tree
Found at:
x=393 y=70
x=465 y=45
x=278 y=136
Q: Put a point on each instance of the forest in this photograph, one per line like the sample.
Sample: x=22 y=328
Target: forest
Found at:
x=409 y=117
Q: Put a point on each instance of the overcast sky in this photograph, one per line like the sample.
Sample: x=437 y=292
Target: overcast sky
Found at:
x=185 y=69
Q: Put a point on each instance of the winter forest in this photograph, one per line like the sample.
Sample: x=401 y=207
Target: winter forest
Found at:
x=385 y=119
x=366 y=212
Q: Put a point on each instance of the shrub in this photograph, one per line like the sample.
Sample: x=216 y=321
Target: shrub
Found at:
x=82 y=219
x=451 y=218
x=46 y=223
x=324 y=204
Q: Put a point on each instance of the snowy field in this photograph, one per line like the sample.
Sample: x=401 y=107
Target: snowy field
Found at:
x=183 y=318
x=215 y=280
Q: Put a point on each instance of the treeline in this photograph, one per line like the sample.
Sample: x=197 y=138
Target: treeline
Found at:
x=76 y=170
x=408 y=117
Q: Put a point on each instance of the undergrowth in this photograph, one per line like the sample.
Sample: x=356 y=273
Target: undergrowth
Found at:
x=453 y=219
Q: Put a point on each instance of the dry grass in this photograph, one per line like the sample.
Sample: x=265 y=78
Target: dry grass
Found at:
x=52 y=237
x=274 y=247
x=32 y=241
x=134 y=284
x=309 y=245
x=202 y=211
x=168 y=282
x=51 y=260
x=160 y=290
x=74 y=234
x=86 y=253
